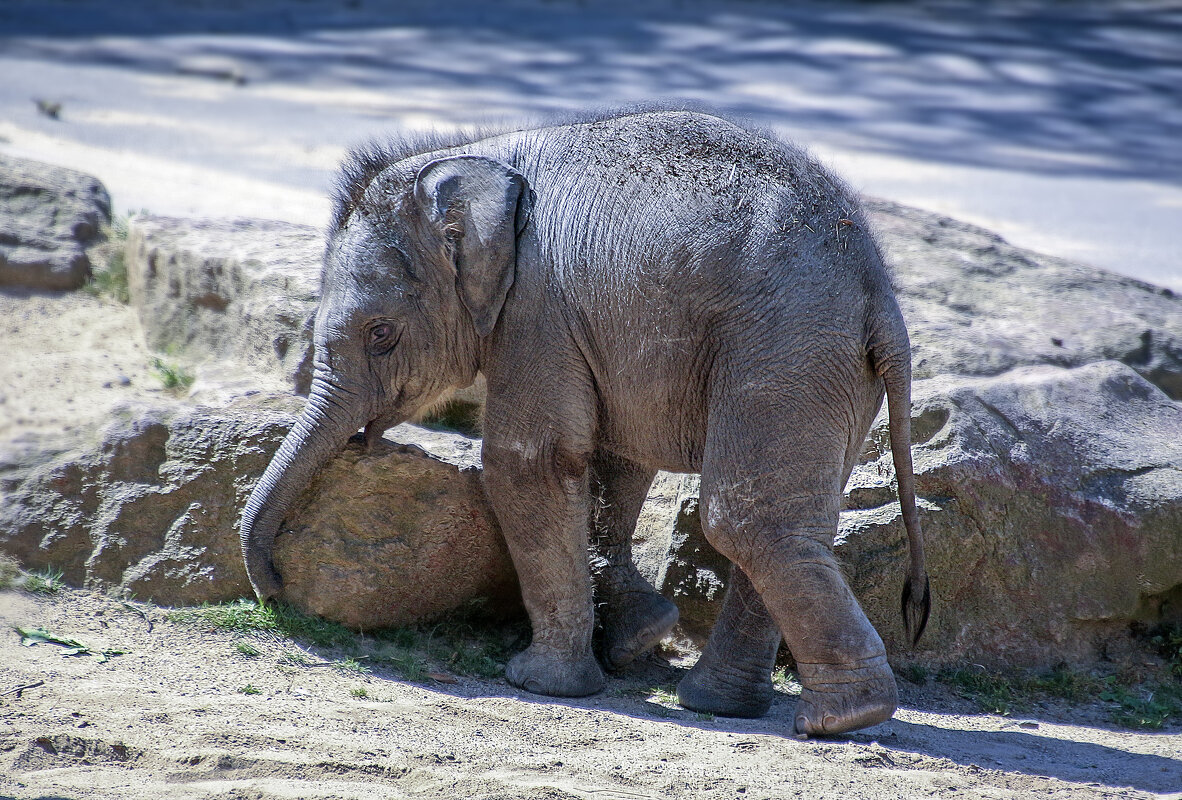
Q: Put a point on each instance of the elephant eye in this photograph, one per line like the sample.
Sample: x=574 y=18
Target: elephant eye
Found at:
x=381 y=337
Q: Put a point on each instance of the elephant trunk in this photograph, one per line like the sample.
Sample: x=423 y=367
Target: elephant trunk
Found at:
x=331 y=416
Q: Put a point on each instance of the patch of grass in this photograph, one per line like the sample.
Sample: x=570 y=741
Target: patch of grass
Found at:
x=360 y=693
x=410 y=665
x=247 y=616
x=991 y=691
x=249 y=689
x=785 y=681
x=109 y=279
x=176 y=378
x=1165 y=639
x=351 y=665
x=1067 y=684
x=663 y=695
x=112 y=280
x=46 y=582
x=1135 y=703
x=246 y=649
x=473 y=660
x=457 y=646
x=914 y=673
x=1147 y=705
x=295 y=659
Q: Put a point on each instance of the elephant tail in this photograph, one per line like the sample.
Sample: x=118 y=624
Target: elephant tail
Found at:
x=890 y=354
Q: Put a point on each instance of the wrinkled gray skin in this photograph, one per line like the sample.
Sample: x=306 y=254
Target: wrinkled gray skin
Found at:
x=654 y=291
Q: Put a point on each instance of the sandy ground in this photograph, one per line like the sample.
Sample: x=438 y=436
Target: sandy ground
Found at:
x=168 y=718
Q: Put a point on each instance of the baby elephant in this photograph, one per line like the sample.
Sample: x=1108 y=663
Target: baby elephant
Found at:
x=655 y=291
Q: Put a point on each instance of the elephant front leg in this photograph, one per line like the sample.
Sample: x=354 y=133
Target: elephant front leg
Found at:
x=540 y=496
x=633 y=615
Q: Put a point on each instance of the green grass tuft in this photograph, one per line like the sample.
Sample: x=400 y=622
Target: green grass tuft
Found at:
x=785 y=681
x=46 y=582
x=1135 y=703
x=295 y=659
x=246 y=649
x=456 y=646
x=249 y=689
x=914 y=673
x=1165 y=639
x=176 y=378
x=351 y=665
x=110 y=279
x=247 y=616
x=991 y=691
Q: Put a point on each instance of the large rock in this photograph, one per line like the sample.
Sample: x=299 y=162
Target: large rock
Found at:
x=236 y=296
x=398 y=535
x=1051 y=502
x=1052 y=511
x=977 y=305
x=49 y=216
x=381 y=539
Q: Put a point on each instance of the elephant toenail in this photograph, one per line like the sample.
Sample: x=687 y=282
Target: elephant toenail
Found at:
x=829 y=723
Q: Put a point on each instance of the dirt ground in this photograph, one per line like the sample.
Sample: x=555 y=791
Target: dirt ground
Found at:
x=173 y=717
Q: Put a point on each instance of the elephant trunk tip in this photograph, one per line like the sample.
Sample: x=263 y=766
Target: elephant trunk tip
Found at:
x=263 y=576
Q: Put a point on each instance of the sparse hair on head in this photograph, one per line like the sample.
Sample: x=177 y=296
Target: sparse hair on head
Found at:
x=366 y=161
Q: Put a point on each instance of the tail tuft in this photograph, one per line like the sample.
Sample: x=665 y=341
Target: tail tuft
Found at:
x=917 y=607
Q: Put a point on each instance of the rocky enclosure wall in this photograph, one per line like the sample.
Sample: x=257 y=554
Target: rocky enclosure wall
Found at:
x=1046 y=428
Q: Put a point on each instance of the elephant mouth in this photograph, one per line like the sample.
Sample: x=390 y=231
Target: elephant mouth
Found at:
x=373 y=432
x=377 y=426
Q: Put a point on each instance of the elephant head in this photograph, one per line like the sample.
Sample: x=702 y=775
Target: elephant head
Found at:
x=415 y=275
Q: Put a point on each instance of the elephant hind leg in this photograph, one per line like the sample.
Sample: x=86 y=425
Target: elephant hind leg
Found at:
x=634 y=617
x=733 y=675
x=770 y=503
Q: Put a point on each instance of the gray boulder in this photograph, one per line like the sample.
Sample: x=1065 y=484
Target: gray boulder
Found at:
x=977 y=305
x=1052 y=511
x=49 y=216
x=398 y=535
x=234 y=296
x=381 y=539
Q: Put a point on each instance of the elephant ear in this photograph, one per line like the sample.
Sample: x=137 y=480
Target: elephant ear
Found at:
x=481 y=205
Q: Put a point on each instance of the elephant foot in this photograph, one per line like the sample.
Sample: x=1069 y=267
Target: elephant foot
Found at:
x=543 y=672
x=633 y=624
x=726 y=691
x=840 y=698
